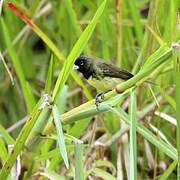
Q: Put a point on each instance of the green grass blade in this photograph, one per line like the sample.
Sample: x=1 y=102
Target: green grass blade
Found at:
x=38 y=126
x=79 y=127
x=6 y=135
x=60 y=135
x=170 y=25
x=177 y=82
x=19 y=144
x=48 y=155
x=107 y=164
x=73 y=18
x=105 y=34
x=79 y=170
x=158 y=54
x=133 y=142
x=51 y=45
x=168 y=171
x=61 y=99
x=6 y=67
x=3 y=150
x=77 y=49
x=103 y=174
x=168 y=98
x=136 y=20
x=164 y=147
x=155 y=60
x=49 y=76
x=148 y=39
x=29 y=98
x=136 y=35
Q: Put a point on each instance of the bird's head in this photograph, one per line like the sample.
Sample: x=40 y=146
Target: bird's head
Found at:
x=84 y=65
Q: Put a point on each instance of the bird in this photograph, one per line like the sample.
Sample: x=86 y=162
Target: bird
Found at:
x=101 y=75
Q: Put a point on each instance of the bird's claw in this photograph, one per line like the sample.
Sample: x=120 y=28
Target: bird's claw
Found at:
x=99 y=97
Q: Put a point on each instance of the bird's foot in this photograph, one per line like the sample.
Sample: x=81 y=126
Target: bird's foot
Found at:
x=99 y=97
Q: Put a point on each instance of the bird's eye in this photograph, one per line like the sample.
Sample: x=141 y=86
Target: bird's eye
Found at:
x=82 y=63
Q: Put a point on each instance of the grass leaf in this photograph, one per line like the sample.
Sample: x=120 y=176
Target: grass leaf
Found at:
x=79 y=167
x=19 y=144
x=164 y=147
x=133 y=148
x=77 y=49
x=49 y=76
x=29 y=98
x=60 y=135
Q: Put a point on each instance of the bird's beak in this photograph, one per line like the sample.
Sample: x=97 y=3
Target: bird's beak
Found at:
x=75 y=67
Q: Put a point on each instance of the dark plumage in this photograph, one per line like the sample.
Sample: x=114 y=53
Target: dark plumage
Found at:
x=85 y=66
x=101 y=75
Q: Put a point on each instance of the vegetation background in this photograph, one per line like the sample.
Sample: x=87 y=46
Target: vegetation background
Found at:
x=49 y=125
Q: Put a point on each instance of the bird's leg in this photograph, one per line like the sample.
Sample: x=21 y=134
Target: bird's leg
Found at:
x=98 y=98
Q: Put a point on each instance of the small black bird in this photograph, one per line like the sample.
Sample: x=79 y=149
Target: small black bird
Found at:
x=101 y=75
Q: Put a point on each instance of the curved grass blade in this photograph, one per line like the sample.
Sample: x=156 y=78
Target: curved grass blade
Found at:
x=146 y=133
x=169 y=170
x=77 y=49
x=49 y=43
x=36 y=29
x=19 y=144
x=60 y=135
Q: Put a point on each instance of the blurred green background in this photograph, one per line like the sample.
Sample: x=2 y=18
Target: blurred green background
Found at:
x=127 y=34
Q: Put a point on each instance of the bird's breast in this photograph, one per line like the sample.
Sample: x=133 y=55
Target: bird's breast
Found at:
x=104 y=84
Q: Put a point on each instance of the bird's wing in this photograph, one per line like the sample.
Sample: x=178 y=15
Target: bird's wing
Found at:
x=110 y=70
